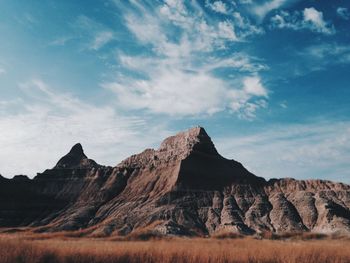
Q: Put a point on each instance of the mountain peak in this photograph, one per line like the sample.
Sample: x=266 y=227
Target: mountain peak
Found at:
x=194 y=139
x=73 y=159
x=77 y=149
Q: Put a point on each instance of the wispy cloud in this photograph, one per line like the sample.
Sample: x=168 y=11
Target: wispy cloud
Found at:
x=61 y=41
x=178 y=75
x=343 y=13
x=266 y=7
x=92 y=34
x=322 y=51
x=36 y=134
x=96 y=33
x=101 y=39
x=262 y=8
x=284 y=105
x=2 y=71
x=309 y=18
x=321 y=56
x=26 y=19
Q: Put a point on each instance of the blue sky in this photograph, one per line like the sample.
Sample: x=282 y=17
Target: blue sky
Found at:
x=269 y=80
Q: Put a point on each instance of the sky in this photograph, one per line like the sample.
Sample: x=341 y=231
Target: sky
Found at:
x=268 y=80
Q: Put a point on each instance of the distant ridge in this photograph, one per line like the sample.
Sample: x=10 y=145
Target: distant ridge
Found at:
x=183 y=188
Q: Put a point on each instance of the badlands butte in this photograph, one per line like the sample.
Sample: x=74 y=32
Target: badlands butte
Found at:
x=183 y=188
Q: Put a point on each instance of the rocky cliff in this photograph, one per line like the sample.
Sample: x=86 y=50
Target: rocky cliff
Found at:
x=184 y=188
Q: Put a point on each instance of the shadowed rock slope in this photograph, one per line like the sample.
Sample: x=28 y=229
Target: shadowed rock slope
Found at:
x=183 y=188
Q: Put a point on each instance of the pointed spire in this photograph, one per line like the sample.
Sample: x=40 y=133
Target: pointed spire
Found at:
x=73 y=159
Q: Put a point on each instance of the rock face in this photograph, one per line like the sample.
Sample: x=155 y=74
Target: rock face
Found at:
x=184 y=188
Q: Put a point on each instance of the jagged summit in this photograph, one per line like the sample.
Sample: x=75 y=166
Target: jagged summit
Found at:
x=76 y=158
x=194 y=139
x=177 y=147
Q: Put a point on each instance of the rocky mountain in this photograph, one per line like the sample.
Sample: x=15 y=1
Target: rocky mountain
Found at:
x=184 y=188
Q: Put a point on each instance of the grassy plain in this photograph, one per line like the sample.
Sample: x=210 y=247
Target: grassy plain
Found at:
x=56 y=248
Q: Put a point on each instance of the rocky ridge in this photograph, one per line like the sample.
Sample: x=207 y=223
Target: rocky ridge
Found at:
x=183 y=188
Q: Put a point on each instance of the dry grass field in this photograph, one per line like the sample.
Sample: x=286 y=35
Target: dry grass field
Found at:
x=24 y=248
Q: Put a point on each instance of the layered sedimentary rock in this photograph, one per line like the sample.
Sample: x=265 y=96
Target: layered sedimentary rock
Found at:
x=184 y=188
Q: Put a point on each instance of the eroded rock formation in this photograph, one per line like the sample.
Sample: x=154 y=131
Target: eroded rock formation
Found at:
x=185 y=188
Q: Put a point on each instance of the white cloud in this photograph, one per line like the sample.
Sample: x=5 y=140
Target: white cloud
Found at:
x=315 y=150
x=177 y=4
x=46 y=124
x=204 y=34
x=245 y=26
x=251 y=97
x=315 y=20
x=2 y=71
x=176 y=92
x=218 y=6
x=227 y=31
x=309 y=18
x=178 y=77
x=343 y=13
x=253 y=86
x=146 y=30
x=285 y=20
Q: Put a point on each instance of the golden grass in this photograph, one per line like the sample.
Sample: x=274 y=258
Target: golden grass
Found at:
x=21 y=248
